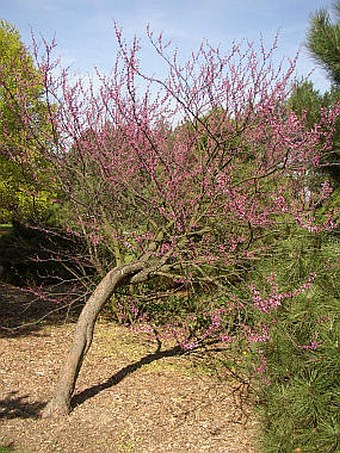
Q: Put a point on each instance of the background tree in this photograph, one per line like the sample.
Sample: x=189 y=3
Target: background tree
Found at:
x=308 y=103
x=323 y=43
x=23 y=192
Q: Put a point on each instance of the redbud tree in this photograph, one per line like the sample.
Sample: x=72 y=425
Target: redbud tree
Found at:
x=179 y=178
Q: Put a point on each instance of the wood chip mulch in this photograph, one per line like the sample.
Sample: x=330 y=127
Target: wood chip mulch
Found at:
x=128 y=398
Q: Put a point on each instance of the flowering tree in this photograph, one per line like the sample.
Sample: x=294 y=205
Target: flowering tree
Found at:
x=177 y=178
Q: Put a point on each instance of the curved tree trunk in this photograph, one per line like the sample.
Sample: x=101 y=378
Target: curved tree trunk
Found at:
x=60 y=403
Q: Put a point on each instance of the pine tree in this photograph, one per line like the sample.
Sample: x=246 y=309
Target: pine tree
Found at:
x=323 y=41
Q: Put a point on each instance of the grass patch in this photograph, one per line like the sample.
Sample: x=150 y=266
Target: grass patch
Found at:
x=9 y=449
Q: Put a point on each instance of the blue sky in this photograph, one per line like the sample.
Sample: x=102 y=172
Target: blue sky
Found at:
x=85 y=37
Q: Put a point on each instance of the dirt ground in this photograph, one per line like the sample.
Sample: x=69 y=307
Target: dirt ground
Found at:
x=129 y=398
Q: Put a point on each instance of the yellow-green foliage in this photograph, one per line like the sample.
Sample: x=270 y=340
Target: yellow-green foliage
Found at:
x=25 y=177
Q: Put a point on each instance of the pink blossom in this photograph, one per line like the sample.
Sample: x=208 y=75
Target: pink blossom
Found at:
x=255 y=337
x=227 y=339
x=312 y=346
x=326 y=189
x=188 y=345
x=164 y=248
x=281 y=203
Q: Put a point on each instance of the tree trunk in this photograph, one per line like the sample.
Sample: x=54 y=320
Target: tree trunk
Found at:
x=60 y=403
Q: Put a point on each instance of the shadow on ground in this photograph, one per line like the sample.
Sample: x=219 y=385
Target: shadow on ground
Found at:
x=81 y=397
x=14 y=406
x=24 y=313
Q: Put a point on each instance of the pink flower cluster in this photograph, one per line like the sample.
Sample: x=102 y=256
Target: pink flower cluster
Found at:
x=310 y=224
x=311 y=347
x=276 y=297
x=215 y=326
x=256 y=337
x=261 y=369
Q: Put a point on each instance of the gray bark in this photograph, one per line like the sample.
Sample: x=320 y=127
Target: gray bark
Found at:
x=60 y=403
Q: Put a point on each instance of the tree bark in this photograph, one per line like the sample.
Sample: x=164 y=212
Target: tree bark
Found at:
x=60 y=403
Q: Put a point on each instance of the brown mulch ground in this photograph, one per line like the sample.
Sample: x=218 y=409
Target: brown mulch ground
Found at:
x=128 y=398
